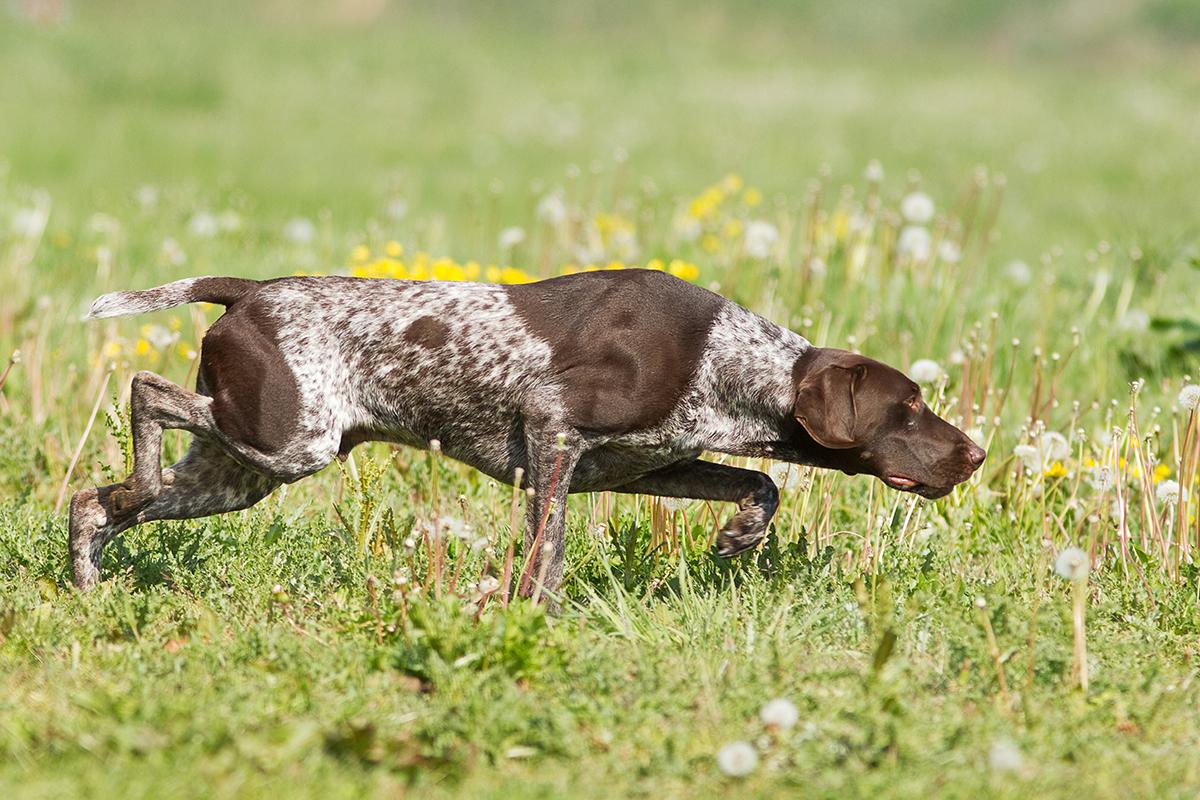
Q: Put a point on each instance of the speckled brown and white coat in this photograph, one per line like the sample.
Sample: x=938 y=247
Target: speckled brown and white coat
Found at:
x=598 y=381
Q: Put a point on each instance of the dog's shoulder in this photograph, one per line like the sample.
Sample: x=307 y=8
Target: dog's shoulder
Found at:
x=625 y=344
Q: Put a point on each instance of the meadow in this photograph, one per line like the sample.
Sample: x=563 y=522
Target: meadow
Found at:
x=997 y=198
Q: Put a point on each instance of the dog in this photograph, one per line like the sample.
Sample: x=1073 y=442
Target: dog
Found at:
x=597 y=381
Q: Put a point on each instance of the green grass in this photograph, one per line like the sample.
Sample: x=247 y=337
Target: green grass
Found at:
x=268 y=652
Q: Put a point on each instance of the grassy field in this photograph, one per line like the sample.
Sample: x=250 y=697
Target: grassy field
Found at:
x=320 y=644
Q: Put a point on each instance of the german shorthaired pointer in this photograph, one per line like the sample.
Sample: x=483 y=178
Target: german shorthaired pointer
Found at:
x=614 y=380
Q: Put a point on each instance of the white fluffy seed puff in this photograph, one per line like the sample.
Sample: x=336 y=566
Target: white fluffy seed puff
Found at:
x=737 y=759
x=1168 y=492
x=1189 y=397
x=925 y=370
x=779 y=714
x=1072 y=564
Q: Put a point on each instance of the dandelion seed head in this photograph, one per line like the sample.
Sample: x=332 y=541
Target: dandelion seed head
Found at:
x=779 y=714
x=1072 y=564
x=915 y=242
x=1168 y=492
x=760 y=237
x=917 y=207
x=925 y=370
x=1189 y=397
x=147 y=197
x=172 y=253
x=737 y=759
x=1101 y=478
x=552 y=209
x=1054 y=446
x=299 y=230
x=949 y=251
x=203 y=224
x=784 y=475
x=1005 y=756
x=674 y=504
x=511 y=237
x=1019 y=272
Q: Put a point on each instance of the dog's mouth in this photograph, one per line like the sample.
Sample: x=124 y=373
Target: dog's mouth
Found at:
x=904 y=483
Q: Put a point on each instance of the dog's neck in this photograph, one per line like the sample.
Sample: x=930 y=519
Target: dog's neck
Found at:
x=746 y=380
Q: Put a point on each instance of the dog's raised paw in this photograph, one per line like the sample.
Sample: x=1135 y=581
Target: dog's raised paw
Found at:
x=742 y=533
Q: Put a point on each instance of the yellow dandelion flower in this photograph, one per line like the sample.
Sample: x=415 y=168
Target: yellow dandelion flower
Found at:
x=1089 y=462
x=1056 y=470
x=752 y=197
x=513 y=275
x=732 y=183
x=683 y=269
x=706 y=204
x=656 y=264
x=359 y=272
x=175 y=323
x=840 y=225
x=710 y=243
x=472 y=269
x=185 y=351
x=1161 y=471
x=360 y=253
x=615 y=265
x=111 y=349
x=590 y=268
x=732 y=230
x=142 y=347
x=568 y=269
x=394 y=249
x=445 y=269
x=491 y=273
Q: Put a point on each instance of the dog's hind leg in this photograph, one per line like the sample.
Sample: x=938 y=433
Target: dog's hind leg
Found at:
x=754 y=492
x=156 y=404
x=207 y=481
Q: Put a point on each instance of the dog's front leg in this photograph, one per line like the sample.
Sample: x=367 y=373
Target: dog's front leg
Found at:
x=754 y=492
x=552 y=452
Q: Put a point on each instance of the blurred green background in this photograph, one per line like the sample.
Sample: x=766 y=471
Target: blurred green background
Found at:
x=1088 y=106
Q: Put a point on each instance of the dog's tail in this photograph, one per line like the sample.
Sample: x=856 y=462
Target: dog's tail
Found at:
x=223 y=291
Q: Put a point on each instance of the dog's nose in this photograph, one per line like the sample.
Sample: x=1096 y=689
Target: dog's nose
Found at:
x=975 y=454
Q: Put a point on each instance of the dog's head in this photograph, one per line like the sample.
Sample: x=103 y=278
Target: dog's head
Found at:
x=866 y=417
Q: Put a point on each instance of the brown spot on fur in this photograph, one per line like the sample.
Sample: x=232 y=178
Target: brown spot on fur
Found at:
x=625 y=344
x=255 y=397
x=427 y=332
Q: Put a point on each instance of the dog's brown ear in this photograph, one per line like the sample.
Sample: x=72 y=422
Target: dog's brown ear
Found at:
x=825 y=405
